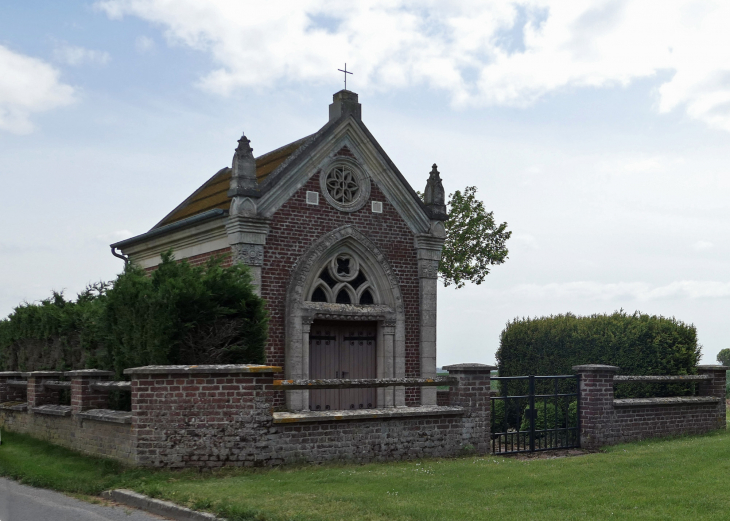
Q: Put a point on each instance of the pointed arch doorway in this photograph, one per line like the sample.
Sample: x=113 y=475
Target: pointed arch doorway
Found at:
x=346 y=350
x=344 y=281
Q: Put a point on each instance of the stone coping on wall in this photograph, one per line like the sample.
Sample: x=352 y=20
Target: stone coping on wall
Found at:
x=52 y=410
x=652 y=378
x=56 y=385
x=471 y=367
x=670 y=400
x=106 y=415
x=366 y=414
x=111 y=386
x=88 y=372
x=42 y=374
x=204 y=369
x=595 y=367
x=14 y=406
x=364 y=383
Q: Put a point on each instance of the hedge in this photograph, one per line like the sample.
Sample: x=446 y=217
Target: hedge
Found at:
x=639 y=344
x=178 y=314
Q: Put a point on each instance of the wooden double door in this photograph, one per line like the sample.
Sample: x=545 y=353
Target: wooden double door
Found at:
x=342 y=350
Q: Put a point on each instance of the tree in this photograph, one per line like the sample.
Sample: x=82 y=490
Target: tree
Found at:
x=474 y=242
x=724 y=357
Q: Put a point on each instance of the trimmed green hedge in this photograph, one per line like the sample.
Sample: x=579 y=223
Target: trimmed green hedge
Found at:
x=637 y=343
x=178 y=314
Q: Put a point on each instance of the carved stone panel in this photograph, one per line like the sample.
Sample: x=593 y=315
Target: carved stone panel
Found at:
x=249 y=254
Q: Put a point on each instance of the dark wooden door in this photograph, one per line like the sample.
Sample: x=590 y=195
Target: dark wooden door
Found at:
x=342 y=350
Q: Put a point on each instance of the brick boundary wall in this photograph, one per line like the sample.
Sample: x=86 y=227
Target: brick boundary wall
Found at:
x=95 y=438
x=212 y=416
x=8 y=393
x=42 y=417
x=607 y=421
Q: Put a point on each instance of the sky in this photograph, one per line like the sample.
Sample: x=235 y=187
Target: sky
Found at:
x=598 y=130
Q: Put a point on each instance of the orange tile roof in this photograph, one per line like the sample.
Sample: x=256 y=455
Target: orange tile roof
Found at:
x=213 y=193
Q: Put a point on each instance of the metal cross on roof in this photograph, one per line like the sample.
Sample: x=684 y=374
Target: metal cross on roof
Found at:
x=346 y=73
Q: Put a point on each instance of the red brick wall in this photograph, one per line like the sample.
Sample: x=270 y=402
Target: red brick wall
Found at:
x=296 y=225
x=606 y=421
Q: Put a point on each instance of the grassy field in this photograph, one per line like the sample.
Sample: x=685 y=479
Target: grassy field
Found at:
x=684 y=478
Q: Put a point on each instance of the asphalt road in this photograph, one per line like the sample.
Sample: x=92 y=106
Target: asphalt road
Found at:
x=23 y=503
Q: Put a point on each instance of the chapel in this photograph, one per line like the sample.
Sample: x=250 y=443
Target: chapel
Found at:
x=340 y=246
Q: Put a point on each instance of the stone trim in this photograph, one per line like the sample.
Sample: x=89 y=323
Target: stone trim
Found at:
x=53 y=410
x=677 y=378
x=390 y=361
x=111 y=386
x=595 y=368
x=669 y=400
x=88 y=372
x=362 y=180
x=106 y=415
x=204 y=237
x=14 y=406
x=370 y=383
x=366 y=414
x=203 y=369
x=56 y=385
x=43 y=374
x=469 y=368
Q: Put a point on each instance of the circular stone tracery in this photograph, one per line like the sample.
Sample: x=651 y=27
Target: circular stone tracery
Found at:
x=342 y=184
x=345 y=185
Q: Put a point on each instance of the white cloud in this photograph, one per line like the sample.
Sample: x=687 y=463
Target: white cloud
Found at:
x=482 y=53
x=526 y=240
x=118 y=235
x=75 y=55
x=703 y=245
x=144 y=44
x=28 y=85
x=588 y=290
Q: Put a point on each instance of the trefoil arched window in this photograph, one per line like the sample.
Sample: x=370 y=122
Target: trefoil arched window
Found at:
x=342 y=281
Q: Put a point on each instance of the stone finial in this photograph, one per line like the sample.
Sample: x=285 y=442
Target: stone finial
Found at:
x=345 y=102
x=243 y=176
x=434 y=196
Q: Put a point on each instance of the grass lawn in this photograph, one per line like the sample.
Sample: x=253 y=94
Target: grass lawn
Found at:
x=683 y=478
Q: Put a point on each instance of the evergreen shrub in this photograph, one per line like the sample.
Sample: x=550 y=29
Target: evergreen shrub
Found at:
x=639 y=344
x=179 y=314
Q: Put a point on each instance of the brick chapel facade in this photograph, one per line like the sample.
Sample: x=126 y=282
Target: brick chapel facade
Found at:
x=340 y=246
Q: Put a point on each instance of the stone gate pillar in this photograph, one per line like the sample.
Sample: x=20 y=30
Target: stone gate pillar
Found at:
x=472 y=393
x=596 y=404
x=715 y=387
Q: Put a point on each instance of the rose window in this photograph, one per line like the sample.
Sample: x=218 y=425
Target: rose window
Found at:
x=342 y=184
x=345 y=185
x=342 y=281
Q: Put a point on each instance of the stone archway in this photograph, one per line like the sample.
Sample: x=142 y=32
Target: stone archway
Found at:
x=388 y=313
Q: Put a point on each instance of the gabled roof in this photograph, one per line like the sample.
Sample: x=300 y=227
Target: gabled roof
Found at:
x=211 y=200
x=213 y=193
